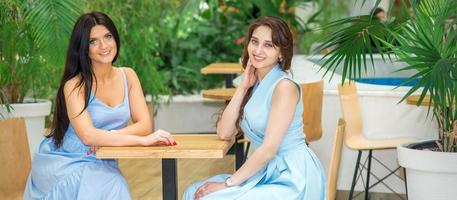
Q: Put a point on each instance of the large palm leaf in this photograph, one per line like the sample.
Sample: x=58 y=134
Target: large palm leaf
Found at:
x=33 y=40
x=51 y=23
x=352 y=41
x=426 y=42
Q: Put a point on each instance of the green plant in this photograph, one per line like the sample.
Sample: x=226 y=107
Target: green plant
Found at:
x=426 y=42
x=33 y=39
x=242 y=13
x=327 y=11
x=285 y=9
x=167 y=50
x=180 y=37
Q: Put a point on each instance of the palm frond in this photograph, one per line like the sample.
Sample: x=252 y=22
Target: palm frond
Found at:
x=51 y=23
x=355 y=37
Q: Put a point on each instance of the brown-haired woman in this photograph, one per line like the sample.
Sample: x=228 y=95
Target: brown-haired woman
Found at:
x=267 y=107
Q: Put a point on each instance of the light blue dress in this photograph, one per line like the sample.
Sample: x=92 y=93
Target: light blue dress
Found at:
x=69 y=172
x=294 y=173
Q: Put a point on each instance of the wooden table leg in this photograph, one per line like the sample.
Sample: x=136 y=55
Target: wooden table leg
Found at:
x=169 y=179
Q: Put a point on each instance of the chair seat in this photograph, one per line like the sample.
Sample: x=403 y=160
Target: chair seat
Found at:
x=12 y=195
x=357 y=142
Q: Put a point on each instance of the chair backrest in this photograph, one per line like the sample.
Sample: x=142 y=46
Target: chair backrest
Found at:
x=14 y=157
x=350 y=109
x=334 y=166
x=312 y=96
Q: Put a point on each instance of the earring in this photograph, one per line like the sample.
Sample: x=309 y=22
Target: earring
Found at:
x=280 y=60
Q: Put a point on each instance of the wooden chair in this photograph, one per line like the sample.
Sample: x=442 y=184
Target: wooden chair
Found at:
x=14 y=158
x=333 y=171
x=312 y=97
x=355 y=139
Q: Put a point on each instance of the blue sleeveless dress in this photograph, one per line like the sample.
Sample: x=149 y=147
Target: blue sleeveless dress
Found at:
x=294 y=173
x=69 y=172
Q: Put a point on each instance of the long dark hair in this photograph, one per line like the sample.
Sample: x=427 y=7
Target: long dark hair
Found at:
x=79 y=64
x=281 y=37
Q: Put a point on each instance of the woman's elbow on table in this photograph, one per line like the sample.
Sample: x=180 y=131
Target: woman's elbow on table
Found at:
x=224 y=134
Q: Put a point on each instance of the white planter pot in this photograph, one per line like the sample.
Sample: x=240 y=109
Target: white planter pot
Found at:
x=430 y=174
x=34 y=114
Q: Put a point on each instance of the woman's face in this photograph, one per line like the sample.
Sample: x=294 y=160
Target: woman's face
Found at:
x=381 y=16
x=102 y=46
x=262 y=52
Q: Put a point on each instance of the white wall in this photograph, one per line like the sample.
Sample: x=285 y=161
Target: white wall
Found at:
x=188 y=114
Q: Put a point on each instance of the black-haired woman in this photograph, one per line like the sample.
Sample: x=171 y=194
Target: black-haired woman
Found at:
x=93 y=106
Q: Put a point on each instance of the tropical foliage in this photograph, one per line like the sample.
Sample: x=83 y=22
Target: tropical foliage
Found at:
x=166 y=42
x=169 y=46
x=426 y=42
x=33 y=39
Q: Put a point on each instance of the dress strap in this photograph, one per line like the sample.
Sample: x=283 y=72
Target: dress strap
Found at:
x=126 y=85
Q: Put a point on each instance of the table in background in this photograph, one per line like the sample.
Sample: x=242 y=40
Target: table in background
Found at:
x=223 y=93
x=229 y=69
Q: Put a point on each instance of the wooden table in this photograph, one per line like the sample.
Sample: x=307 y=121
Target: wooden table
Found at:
x=222 y=68
x=223 y=93
x=229 y=69
x=189 y=146
x=413 y=99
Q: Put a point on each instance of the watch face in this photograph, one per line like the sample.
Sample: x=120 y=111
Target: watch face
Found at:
x=228 y=182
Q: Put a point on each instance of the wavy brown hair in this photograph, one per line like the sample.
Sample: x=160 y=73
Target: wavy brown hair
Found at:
x=281 y=37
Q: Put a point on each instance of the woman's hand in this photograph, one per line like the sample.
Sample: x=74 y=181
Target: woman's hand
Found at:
x=160 y=137
x=208 y=188
x=249 y=76
x=92 y=150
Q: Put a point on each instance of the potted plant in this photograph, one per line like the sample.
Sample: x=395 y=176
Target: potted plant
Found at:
x=427 y=43
x=33 y=39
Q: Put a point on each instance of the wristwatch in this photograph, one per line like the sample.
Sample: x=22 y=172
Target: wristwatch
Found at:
x=228 y=182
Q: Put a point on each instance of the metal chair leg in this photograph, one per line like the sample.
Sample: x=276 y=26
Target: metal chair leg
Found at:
x=406 y=183
x=355 y=175
x=368 y=175
x=246 y=151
